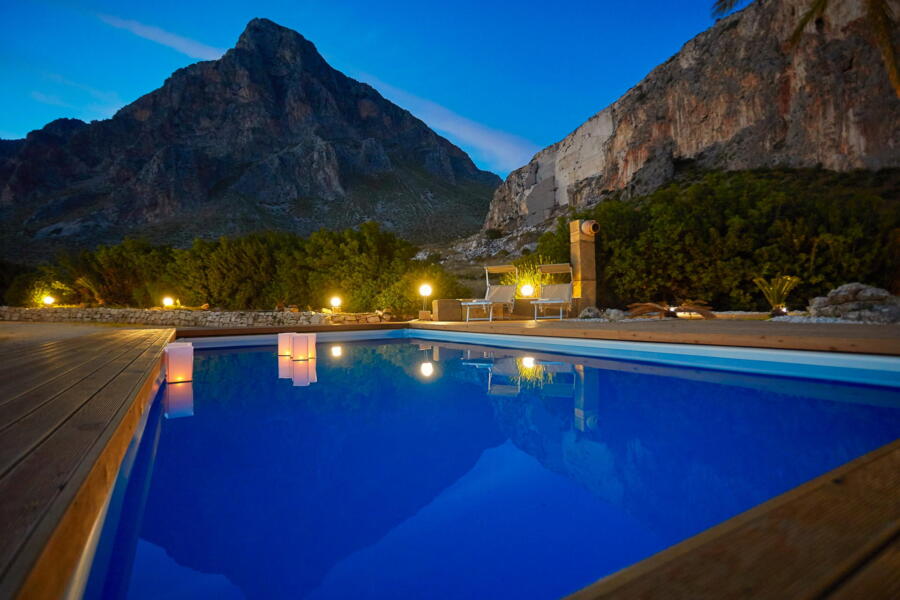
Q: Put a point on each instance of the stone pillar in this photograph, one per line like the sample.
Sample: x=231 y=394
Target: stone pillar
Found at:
x=584 y=263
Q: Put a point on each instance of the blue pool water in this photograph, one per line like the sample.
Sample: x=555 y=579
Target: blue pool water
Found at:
x=490 y=474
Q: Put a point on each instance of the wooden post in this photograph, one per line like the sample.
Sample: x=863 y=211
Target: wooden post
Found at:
x=584 y=263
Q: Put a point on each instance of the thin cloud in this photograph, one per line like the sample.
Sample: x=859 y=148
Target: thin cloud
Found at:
x=111 y=98
x=187 y=46
x=499 y=150
x=50 y=99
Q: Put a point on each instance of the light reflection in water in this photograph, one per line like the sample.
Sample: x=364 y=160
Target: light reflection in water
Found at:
x=179 y=400
x=426 y=369
x=285 y=367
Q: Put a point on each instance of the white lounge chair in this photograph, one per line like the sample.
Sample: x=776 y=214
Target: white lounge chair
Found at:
x=554 y=294
x=495 y=295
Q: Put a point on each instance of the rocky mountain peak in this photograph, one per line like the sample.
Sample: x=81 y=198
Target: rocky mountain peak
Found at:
x=279 y=45
x=269 y=136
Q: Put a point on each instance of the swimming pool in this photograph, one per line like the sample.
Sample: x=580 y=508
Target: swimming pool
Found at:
x=442 y=469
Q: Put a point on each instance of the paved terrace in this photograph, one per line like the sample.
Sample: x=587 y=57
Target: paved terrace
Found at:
x=72 y=395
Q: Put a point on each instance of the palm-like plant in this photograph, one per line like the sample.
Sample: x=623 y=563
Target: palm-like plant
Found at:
x=878 y=14
x=663 y=309
x=776 y=291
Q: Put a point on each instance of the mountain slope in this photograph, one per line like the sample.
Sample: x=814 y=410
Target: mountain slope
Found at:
x=734 y=97
x=268 y=136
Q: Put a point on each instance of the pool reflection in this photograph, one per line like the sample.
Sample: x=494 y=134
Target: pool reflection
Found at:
x=178 y=400
x=503 y=474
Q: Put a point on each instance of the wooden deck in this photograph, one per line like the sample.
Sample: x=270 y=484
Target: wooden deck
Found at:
x=67 y=414
x=864 y=339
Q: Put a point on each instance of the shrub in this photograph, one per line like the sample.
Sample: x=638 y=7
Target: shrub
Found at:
x=527 y=273
x=776 y=291
x=367 y=267
x=402 y=295
x=711 y=236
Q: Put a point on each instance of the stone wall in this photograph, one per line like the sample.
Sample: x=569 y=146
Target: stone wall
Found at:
x=167 y=317
x=857 y=302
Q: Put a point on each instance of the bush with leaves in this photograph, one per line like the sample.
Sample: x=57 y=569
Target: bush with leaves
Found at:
x=367 y=267
x=527 y=273
x=402 y=295
x=710 y=236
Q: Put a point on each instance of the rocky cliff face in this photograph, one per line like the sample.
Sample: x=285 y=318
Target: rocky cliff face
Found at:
x=268 y=136
x=734 y=97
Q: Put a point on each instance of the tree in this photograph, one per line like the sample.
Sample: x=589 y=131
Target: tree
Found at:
x=879 y=16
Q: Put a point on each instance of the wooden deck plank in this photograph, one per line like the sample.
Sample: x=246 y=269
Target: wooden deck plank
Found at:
x=14 y=355
x=29 y=431
x=36 y=357
x=40 y=486
x=798 y=545
x=879 y=578
x=34 y=376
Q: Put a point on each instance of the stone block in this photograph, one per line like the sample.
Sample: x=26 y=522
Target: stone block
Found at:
x=446 y=310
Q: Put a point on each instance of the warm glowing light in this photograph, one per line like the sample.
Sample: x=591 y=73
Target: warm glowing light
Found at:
x=284 y=344
x=337 y=351
x=179 y=362
x=168 y=301
x=527 y=290
x=299 y=346
x=48 y=300
x=426 y=369
x=528 y=362
x=178 y=400
x=311 y=345
x=335 y=302
x=425 y=290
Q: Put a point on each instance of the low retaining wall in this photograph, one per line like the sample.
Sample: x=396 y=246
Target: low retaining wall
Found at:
x=167 y=317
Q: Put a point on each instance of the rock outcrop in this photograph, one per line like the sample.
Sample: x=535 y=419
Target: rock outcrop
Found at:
x=857 y=302
x=735 y=97
x=267 y=137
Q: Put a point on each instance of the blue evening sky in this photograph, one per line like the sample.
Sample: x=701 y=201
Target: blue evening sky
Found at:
x=500 y=79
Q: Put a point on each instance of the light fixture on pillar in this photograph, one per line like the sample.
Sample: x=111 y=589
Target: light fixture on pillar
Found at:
x=179 y=362
x=48 y=300
x=335 y=303
x=168 y=301
x=425 y=291
x=178 y=400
